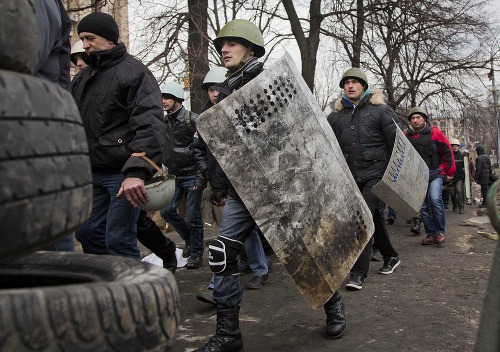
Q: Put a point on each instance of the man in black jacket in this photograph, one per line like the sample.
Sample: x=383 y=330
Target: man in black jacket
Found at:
x=457 y=189
x=178 y=158
x=483 y=173
x=365 y=128
x=120 y=103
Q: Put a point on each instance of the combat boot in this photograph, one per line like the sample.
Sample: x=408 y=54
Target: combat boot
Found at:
x=335 y=317
x=227 y=336
x=415 y=225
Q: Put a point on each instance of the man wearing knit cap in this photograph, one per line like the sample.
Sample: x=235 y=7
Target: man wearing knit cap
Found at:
x=120 y=104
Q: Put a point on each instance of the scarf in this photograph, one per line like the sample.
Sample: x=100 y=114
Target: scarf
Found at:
x=245 y=74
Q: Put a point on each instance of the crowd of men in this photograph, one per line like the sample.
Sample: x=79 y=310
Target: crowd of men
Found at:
x=133 y=124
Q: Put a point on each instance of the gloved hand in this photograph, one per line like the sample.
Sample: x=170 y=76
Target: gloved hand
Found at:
x=218 y=198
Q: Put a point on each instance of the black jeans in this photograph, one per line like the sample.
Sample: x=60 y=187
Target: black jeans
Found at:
x=484 y=192
x=381 y=235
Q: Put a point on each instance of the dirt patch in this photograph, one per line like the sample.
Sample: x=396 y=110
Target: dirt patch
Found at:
x=432 y=302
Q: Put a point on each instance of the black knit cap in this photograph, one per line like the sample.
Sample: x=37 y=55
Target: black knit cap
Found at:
x=100 y=23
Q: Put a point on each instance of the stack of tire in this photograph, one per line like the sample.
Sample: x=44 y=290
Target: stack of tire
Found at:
x=61 y=301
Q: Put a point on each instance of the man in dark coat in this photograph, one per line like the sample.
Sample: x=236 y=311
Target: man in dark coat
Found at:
x=120 y=103
x=483 y=173
x=457 y=189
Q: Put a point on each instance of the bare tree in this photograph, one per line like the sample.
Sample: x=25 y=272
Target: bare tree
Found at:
x=197 y=51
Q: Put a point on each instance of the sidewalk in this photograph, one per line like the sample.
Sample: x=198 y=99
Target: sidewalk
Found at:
x=432 y=302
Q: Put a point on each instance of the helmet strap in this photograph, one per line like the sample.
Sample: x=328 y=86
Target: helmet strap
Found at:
x=243 y=60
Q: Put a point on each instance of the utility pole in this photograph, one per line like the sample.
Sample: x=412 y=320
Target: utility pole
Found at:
x=495 y=107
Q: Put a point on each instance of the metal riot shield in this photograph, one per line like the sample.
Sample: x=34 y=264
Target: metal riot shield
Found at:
x=468 y=193
x=281 y=155
x=404 y=184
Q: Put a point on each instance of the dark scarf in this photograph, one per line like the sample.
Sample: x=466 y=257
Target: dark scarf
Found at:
x=245 y=74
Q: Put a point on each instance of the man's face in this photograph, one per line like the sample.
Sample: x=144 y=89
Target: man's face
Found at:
x=212 y=94
x=455 y=147
x=93 y=43
x=232 y=52
x=79 y=61
x=353 y=89
x=168 y=103
x=417 y=122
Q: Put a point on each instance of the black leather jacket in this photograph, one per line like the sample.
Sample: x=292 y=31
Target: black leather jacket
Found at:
x=177 y=153
x=121 y=108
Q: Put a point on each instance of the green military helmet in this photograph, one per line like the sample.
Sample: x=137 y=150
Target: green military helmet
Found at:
x=354 y=72
x=241 y=29
x=418 y=110
x=174 y=89
x=215 y=75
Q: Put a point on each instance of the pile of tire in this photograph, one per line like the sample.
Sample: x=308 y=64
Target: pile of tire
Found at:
x=61 y=301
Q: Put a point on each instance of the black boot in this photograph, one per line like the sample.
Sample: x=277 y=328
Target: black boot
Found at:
x=415 y=226
x=335 y=317
x=227 y=336
x=150 y=235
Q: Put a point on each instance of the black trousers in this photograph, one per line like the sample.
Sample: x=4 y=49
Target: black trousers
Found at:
x=153 y=238
x=381 y=235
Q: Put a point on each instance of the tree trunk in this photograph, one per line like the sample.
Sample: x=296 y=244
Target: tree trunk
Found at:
x=197 y=52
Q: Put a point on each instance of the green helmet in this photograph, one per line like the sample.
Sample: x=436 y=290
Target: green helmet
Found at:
x=418 y=110
x=354 y=72
x=215 y=75
x=241 y=29
x=174 y=89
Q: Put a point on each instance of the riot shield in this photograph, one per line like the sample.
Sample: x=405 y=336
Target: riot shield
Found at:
x=404 y=184
x=281 y=156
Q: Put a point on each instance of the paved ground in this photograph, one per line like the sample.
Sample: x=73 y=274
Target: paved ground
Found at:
x=432 y=302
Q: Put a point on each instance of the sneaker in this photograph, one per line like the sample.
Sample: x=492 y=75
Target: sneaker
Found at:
x=439 y=239
x=206 y=297
x=428 y=240
x=376 y=256
x=194 y=262
x=389 y=266
x=355 y=281
x=460 y=211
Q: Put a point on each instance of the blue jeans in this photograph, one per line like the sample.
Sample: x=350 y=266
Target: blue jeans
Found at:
x=391 y=213
x=191 y=229
x=432 y=211
x=237 y=224
x=112 y=225
x=67 y=244
x=257 y=260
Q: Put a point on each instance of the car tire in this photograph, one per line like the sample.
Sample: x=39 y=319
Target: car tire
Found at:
x=17 y=35
x=46 y=180
x=62 y=301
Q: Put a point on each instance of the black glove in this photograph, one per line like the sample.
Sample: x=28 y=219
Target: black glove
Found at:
x=217 y=197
